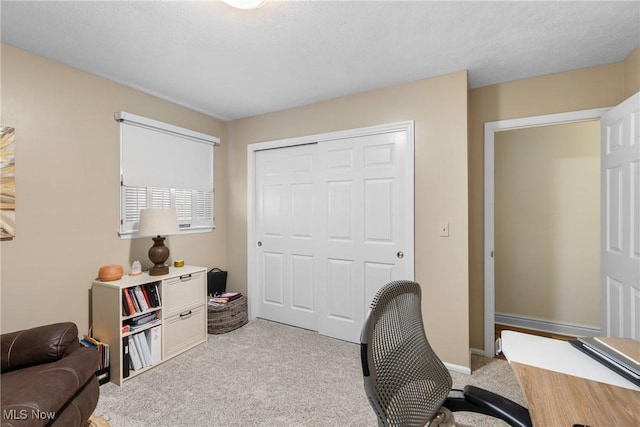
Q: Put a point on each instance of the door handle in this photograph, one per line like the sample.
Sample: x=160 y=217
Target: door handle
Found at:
x=400 y=254
x=259 y=243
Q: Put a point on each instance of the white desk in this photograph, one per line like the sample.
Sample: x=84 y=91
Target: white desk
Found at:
x=563 y=386
x=558 y=356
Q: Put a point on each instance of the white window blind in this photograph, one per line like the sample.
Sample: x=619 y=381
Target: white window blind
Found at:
x=164 y=166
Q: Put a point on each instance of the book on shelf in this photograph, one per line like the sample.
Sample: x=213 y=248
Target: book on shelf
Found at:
x=100 y=347
x=140 y=297
x=134 y=300
x=143 y=288
x=156 y=292
x=131 y=309
x=125 y=307
x=139 y=322
x=154 y=295
x=133 y=328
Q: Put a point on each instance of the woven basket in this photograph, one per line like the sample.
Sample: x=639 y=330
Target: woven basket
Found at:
x=227 y=317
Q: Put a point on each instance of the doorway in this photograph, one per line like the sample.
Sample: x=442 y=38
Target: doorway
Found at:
x=490 y=212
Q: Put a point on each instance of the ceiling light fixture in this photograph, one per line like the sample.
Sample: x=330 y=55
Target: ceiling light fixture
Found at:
x=245 y=4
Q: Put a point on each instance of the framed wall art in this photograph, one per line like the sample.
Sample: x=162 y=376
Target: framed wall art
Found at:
x=7 y=183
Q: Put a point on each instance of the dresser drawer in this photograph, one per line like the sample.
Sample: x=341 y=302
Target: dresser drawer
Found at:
x=183 y=331
x=183 y=292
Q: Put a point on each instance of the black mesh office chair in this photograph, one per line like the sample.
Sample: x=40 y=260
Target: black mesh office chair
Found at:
x=405 y=381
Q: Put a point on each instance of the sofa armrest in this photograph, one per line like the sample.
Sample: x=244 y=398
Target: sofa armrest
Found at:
x=42 y=344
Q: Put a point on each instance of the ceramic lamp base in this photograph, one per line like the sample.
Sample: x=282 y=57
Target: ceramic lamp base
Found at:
x=158 y=254
x=158 y=271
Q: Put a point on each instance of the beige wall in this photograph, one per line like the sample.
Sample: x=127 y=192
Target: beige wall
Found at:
x=632 y=73
x=439 y=108
x=67 y=180
x=595 y=87
x=547 y=223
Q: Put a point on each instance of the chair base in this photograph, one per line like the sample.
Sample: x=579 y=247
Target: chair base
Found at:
x=444 y=418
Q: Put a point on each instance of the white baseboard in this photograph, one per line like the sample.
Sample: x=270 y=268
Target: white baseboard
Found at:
x=477 y=351
x=547 y=325
x=457 y=368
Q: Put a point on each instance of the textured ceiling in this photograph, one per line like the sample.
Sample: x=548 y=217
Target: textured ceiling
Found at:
x=232 y=63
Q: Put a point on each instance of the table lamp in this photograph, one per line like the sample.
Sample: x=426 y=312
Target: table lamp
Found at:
x=158 y=222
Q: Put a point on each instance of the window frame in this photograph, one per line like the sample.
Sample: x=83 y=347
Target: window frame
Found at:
x=195 y=206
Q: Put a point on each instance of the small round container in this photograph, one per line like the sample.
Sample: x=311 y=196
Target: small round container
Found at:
x=178 y=263
x=109 y=273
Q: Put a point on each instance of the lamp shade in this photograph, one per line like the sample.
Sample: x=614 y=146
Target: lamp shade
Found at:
x=158 y=222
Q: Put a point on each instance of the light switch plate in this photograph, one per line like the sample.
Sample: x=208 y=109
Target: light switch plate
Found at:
x=444 y=229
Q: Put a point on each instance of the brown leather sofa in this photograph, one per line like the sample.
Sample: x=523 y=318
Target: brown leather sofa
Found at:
x=48 y=378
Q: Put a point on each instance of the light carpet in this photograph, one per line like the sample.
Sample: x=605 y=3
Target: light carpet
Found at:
x=269 y=374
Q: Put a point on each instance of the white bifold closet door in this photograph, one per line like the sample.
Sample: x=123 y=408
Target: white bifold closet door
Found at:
x=287 y=227
x=332 y=229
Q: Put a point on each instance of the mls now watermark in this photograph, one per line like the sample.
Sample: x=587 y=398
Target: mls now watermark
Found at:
x=25 y=414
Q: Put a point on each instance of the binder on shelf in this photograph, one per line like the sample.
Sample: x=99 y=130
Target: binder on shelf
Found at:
x=125 y=357
x=134 y=356
x=143 y=357
x=144 y=349
x=136 y=342
x=154 y=339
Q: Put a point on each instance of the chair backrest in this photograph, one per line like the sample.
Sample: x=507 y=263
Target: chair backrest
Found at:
x=405 y=381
